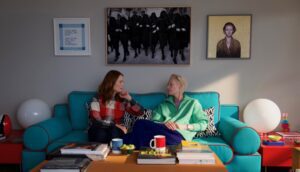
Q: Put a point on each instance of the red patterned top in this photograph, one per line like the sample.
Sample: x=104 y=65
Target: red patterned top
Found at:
x=113 y=110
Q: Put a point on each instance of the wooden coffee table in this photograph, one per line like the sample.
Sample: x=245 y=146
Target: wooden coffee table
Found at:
x=127 y=163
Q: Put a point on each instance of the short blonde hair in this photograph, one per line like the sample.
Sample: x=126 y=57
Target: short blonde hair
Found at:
x=181 y=81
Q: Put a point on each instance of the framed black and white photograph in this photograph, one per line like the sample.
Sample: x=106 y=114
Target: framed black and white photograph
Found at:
x=72 y=37
x=229 y=36
x=154 y=36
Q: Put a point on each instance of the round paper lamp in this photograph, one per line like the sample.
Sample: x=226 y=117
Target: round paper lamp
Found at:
x=262 y=114
x=32 y=111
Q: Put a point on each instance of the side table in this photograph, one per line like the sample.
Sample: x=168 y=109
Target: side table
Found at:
x=11 y=148
x=276 y=156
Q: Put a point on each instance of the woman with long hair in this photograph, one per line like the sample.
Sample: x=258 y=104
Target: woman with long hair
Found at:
x=107 y=111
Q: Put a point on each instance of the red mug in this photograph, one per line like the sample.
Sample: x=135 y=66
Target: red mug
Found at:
x=159 y=143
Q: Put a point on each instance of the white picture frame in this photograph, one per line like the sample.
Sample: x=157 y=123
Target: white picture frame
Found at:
x=72 y=36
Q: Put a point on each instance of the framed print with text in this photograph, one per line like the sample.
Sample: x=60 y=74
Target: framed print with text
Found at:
x=72 y=37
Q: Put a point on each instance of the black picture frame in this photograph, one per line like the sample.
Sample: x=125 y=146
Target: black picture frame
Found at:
x=148 y=36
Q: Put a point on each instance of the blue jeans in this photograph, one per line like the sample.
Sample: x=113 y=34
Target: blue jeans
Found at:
x=144 y=130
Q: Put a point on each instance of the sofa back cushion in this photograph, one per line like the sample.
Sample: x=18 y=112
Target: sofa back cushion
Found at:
x=149 y=100
x=78 y=103
x=208 y=100
x=79 y=100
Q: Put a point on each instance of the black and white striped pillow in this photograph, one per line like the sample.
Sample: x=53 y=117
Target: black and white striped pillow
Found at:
x=211 y=129
x=129 y=120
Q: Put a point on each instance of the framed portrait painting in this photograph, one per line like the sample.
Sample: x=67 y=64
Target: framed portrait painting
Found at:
x=72 y=36
x=148 y=36
x=229 y=36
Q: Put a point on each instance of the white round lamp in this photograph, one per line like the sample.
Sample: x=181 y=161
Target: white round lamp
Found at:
x=33 y=111
x=263 y=115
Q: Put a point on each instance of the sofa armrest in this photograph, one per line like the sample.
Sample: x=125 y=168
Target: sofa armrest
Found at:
x=243 y=139
x=37 y=137
x=61 y=110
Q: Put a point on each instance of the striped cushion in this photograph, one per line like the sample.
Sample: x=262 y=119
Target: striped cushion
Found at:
x=129 y=120
x=211 y=129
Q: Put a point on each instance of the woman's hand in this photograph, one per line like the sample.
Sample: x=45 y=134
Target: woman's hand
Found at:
x=171 y=125
x=125 y=95
x=123 y=128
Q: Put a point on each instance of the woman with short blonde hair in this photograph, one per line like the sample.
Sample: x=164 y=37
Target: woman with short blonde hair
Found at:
x=179 y=117
x=180 y=80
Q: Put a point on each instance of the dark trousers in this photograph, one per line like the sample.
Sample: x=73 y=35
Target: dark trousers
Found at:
x=104 y=134
x=144 y=130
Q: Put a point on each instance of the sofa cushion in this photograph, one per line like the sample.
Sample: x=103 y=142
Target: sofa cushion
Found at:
x=38 y=136
x=222 y=150
x=78 y=102
x=243 y=139
x=207 y=100
x=211 y=130
x=73 y=136
x=149 y=100
x=129 y=120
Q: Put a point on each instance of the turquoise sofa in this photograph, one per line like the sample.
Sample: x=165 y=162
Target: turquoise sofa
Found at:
x=236 y=147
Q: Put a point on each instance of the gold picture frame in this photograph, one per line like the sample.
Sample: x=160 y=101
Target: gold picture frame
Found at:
x=229 y=36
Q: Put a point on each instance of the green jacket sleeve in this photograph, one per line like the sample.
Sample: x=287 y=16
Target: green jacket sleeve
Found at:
x=157 y=114
x=199 y=119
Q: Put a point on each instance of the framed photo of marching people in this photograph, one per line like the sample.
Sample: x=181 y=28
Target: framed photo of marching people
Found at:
x=229 y=36
x=148 y=36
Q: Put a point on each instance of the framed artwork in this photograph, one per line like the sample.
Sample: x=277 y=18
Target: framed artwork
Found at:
x=72 y=36
x=229 y=36
x=148 y=36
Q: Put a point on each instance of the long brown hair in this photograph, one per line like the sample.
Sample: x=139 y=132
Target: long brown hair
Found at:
x=106 y=88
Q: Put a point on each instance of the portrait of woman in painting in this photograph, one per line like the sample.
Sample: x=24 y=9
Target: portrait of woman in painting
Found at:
x=229 y=47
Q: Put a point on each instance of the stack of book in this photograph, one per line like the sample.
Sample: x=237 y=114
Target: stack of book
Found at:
x=195 y=153
x=150 y=156
x=290 y=138
x=94 y=151
x=66 y=164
